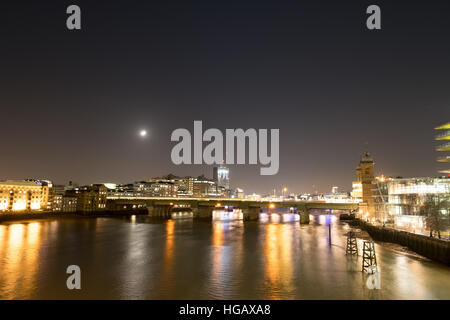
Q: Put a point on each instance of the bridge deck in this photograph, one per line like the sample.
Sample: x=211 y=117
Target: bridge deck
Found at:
x=238 y=203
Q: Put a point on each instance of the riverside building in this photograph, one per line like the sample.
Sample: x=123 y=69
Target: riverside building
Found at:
x=444 y=146
x=403 y=201
x=362 y=188
x=24 y=195
x=88 y=198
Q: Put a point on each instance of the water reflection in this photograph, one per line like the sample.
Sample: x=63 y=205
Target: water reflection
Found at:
x=278 y=217
x=324 y=219
x=226 y=258
x=278 y=259
x=225 y=215
x=130 y=260
x=169 y=256
x=138 y=258
x=182 y=215
x=19 y=259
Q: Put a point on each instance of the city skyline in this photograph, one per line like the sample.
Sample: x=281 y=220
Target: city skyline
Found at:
x=312 y=70
x=219 y=158
x=204 y=171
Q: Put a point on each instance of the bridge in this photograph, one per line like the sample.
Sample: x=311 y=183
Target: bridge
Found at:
x=202 y=208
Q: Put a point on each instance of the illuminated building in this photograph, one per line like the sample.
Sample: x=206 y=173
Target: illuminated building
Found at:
x=444 y=136
x=63 y=203
x=362 y=187
x=24 y=195
x=57 y=202
x=239 y=193
x=206 y=188
x=337 y=197
x=89 y=198
x=56 y=194
x=164 y=188
x=124 y=190
x=222 y=192
x=69 y=204
x=185 y=186
x=152 y=188
x=381 y=199
x=141 y=189
x=60 y=202
x=254 y=196
x=356 y=191
x=402 y=201
x=221 y=175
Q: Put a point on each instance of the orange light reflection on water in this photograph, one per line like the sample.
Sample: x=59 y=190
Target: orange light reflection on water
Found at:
x=20 y=254
x=278 y=258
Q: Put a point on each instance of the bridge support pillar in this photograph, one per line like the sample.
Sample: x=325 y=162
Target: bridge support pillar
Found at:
x=202 y=212
x=159 y=211
x=251 y=213
x=304 y=217
x=303 y=212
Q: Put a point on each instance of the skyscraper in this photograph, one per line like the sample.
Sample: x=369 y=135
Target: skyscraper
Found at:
x=221 y=175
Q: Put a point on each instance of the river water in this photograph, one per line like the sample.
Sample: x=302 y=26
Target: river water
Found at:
x=136 y=257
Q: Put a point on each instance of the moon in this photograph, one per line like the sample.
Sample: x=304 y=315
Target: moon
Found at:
x=143 y=133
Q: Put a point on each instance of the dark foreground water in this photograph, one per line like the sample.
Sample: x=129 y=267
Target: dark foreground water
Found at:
x=137 y=258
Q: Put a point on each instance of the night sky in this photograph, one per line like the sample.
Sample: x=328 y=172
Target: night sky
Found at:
x=73 y=102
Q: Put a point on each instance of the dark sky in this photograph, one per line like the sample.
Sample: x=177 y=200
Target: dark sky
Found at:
x=72 y=102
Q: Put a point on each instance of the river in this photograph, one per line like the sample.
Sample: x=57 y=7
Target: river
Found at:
x=136 y=257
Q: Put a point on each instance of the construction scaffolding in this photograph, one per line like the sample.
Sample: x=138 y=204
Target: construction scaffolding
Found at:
x=380 y=194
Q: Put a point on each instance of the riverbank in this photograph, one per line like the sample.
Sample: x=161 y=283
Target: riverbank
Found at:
x=12 y=217
x=432 y=248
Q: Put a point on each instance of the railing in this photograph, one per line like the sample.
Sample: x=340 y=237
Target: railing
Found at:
x=443 y=147
x=442 y=135
x=444 y=159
